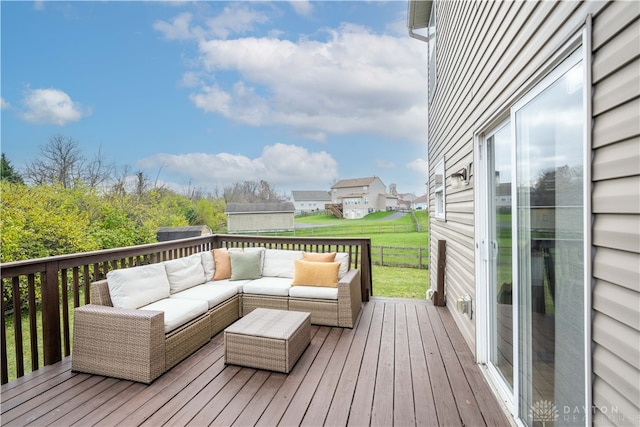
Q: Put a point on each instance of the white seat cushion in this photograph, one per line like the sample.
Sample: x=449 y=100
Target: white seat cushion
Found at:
x=279 y=262
x=184 y=273
x=276 y=286
x=237 y=283
x=138 y=286
x=313 y=292
x=178 y=311
x=214 y=294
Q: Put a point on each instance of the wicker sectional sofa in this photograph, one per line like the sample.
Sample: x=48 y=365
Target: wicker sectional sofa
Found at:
x=144 y=320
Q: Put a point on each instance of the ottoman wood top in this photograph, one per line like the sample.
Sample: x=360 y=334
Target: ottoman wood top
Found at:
x=268 y=323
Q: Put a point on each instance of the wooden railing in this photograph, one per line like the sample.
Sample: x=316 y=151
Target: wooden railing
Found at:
x=43 y=292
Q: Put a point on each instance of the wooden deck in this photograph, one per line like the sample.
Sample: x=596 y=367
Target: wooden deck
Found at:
x=404 y=364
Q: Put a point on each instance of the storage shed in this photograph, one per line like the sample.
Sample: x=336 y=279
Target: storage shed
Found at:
x=260 y=217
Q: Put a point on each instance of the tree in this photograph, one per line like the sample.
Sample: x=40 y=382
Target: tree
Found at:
x=61 y=162
x=8 y=173
x=250 y=192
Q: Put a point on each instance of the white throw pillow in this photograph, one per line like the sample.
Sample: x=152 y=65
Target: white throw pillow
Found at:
x=137 y=286
x=208 y=264
x=279 y=262
x=343 y=259
x=184 y=273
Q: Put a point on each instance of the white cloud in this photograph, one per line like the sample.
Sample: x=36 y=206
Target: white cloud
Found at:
x=4 y=104
x=234 y=19
x=282 y=165
x=420 y=166
x=51 y=106
x=354 y=82
x=302 y=7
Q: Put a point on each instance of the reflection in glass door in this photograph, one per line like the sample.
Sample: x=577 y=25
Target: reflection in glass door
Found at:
x=549 y=204
x=498 y=148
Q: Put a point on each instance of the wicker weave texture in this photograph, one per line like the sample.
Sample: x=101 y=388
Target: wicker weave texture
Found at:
x=187 y=339
x=224 y=314
x=323 y=312
x=119 y=343
x=250 y=345
x=251 y=302
x=349 y=299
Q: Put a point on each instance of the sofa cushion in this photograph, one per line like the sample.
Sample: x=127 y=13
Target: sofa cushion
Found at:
x=245 y=265
x=313 y=292
x=311 y=273
x=178 y=311
x=213 y=293
x=276 y=286
x=222 y=264
x=343 y=259
x=184 y=273
x=138 y=286
x=279 y=262
x=238 y=284
x=208 y=264
x=319 y=256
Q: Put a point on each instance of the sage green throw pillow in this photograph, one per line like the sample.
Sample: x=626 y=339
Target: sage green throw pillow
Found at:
x=245 y=265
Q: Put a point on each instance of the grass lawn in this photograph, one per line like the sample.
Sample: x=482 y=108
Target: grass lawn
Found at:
x=394 y=282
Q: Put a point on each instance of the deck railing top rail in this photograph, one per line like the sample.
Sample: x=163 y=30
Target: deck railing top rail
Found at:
x=53 y=286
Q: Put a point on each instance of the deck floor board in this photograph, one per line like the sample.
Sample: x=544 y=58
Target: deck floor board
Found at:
x=405 y=363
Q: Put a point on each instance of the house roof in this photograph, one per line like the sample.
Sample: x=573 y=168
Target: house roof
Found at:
x=422 y=199
x=355 y=182
x=236 y=208
x=311 y=195
x=419 y=13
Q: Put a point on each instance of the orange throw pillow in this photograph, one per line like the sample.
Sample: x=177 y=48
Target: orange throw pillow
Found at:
x=311 y=273
x=222 y=261
x=319 y=257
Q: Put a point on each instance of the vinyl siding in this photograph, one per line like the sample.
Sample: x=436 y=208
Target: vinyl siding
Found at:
x=616 y=207
x=489 y=53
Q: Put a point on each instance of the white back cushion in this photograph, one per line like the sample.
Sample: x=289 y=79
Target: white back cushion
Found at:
x=138 y=286
x=279 y=262
x=208 y=264
x=343 y=259
x=184 y=273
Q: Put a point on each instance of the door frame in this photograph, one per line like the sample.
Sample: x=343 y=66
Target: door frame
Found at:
x=581 y=40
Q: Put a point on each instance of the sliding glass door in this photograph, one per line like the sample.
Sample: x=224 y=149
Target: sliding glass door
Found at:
x=533 y=250
x=549 y=139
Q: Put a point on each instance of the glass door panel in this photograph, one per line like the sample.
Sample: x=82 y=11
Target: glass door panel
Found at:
x=500 y=260
x=549 y=148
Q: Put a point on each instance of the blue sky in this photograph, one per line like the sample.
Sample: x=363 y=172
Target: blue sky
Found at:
x=204 y=94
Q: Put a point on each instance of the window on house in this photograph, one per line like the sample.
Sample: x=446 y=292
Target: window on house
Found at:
x=432 y=69
x=438 y=191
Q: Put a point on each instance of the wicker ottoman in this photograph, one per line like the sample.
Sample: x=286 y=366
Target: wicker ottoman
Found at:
x=268 y=339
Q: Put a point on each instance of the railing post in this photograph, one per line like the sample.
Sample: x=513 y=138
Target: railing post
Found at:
x=366 y=285
x=51 y=315
x=438 y=296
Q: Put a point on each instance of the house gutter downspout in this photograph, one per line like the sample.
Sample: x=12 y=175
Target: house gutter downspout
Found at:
x=417 y=36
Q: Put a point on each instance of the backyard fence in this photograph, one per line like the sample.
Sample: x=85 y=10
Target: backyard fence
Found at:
x=400 y=256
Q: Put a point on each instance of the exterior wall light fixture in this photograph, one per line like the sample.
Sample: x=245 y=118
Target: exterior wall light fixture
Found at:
x=461 y=177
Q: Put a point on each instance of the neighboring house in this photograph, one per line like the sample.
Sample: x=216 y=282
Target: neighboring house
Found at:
x=361 y=196
x=260 y=217
x=310 y=201
x=406 y=201
x=421 y=203
x=534 y=158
